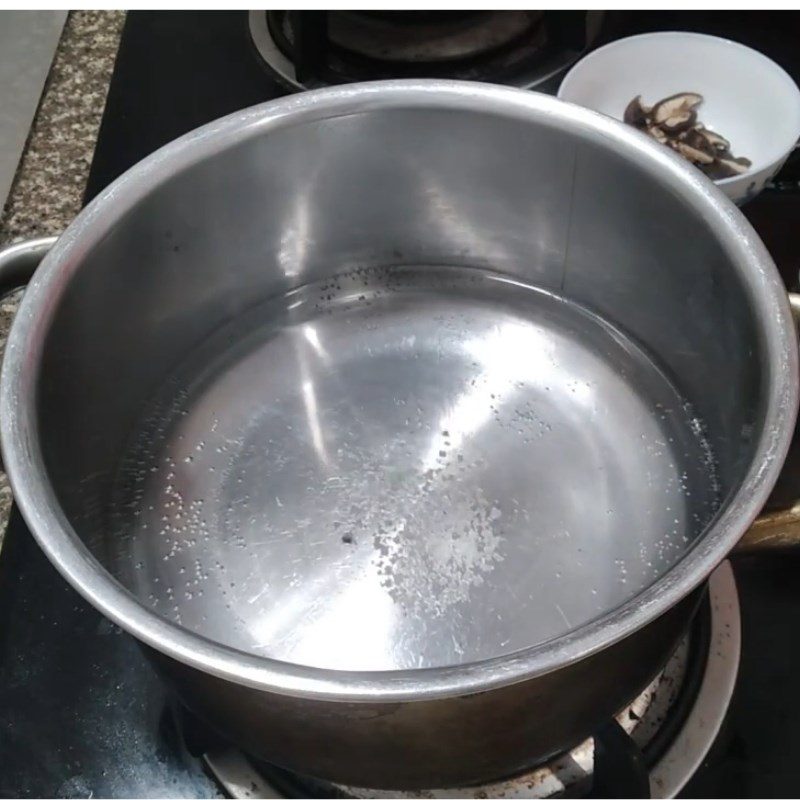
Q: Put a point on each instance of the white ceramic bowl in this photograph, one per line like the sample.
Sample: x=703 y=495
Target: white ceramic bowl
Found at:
x=748 y=98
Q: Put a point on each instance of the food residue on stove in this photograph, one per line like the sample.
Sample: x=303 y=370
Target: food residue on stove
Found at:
x=673 y=122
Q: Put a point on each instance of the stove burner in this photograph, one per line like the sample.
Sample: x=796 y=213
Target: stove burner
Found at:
x=308 y=49
x=671 y=725
x=419 y=36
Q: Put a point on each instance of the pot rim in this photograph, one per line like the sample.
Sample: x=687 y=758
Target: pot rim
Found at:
x=54 y=533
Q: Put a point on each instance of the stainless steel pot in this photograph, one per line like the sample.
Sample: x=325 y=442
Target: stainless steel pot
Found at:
x=388 y=418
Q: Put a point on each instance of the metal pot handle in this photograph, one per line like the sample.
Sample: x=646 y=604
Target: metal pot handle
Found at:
x=18 y=262
x=771 y=532
x=777 y=530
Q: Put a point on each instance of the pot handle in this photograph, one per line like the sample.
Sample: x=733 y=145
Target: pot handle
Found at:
x=18 y=262
x=771 y=532
x=777 y=530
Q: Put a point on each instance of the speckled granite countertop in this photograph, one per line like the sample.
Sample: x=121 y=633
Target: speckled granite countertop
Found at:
x=48 y=187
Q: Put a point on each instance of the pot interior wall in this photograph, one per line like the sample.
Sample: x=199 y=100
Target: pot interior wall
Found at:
x=531 y=198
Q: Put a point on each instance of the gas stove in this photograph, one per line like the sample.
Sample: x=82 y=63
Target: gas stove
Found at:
x=81 y=711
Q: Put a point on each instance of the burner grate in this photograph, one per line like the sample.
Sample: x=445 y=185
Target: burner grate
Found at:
x=308 y=49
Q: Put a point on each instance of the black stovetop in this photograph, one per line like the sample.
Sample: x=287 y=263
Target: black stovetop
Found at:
x=81 y=712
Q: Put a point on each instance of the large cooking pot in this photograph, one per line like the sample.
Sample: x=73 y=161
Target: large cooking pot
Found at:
x=401 y=421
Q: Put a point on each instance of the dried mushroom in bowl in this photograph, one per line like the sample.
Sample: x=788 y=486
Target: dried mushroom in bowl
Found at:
x=673 y=122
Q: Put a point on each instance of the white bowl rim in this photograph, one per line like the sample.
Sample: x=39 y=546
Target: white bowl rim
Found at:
x=585 y=61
